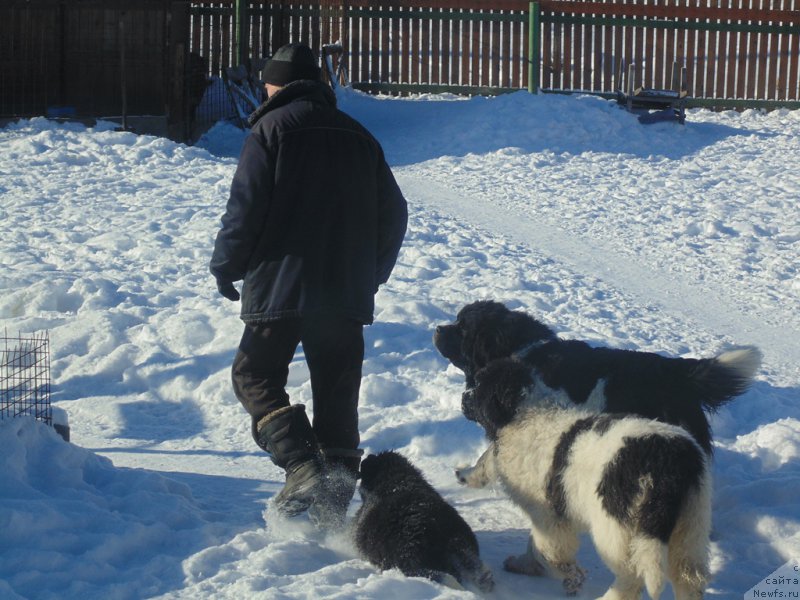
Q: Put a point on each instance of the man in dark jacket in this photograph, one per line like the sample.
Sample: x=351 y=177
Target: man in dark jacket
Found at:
x=313 y=226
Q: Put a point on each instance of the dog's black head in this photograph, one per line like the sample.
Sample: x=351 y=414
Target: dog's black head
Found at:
x=484 y=331
x=500 y=388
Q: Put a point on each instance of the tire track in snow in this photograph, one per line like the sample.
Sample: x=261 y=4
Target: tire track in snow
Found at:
x=687 y=301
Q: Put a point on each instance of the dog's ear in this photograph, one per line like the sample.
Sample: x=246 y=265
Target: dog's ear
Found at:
x=500 y=389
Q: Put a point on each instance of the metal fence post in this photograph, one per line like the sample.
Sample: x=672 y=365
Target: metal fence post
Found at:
x=534 y=57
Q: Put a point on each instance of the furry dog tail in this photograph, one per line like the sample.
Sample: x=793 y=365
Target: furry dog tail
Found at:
x=727 y=375
x=649 y=556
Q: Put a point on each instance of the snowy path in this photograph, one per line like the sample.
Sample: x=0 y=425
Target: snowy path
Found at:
x=774 y=329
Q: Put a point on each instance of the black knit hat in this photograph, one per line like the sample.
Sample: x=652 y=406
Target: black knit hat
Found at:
x=290 y=63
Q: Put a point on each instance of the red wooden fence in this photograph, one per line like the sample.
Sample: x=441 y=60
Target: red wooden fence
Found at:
x=738 y=50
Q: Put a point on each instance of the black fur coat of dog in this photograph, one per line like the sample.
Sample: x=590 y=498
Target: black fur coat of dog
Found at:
x=405 y=524
x=503 y=350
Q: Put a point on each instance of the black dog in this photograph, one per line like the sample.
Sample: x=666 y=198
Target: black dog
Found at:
x=672 y=390
x=404 y=523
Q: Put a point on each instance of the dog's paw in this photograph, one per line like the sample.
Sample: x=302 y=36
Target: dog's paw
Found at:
x=574 y=576
x=525 y=564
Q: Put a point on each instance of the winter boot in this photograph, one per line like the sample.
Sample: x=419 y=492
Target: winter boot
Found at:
x=329 y=509
x=287 y=435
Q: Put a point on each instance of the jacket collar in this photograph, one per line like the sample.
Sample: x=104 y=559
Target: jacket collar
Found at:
x=306 y=89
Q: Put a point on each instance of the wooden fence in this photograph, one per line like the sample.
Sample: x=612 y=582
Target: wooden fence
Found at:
x=94 y=58
x=743 y=52
x=736 y=52
x=98 y=58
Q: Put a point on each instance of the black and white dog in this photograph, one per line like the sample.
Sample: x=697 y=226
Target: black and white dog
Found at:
x=572 y=373
x=639 y=487
x=404 y=523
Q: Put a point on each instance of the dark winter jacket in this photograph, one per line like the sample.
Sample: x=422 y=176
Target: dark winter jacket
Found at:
x=315 y=219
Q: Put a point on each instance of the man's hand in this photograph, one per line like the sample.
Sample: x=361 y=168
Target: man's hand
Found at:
x=227 y=289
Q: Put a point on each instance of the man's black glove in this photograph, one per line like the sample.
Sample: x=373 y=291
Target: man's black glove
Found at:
x=227 y=289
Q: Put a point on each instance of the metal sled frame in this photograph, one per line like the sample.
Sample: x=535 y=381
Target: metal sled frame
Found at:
x=669 y=104
x=244 y=86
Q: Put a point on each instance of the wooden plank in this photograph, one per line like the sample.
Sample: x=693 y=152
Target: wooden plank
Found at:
x=205 y=42
x=464 y=58
x=782 y=56
x=741 y=59
x=416 y=46
x=405 y=52
x=517 y=54
x=548 y=53
x=435 y=51
x=793 y=80
x=494 y=58
x=701 y=59
x=504 y=50
x=197 y=29
x=216 y=43
x=558 y=56
x=589 y=64
x=712 y=40
x=649 y=46
x=630 y=56
x=763 y=66
x=732 y=59
x=486 y=51
x=226 y=41
x=383 y=49
x=353 y=34
x=721 y=63
x=682 y=49
x=396 y=45
x=671 y=55
x=773 y=60
x=752 y=62
x=576 y=56
x=566 y=57
x=524 y=49
x=474 y=51
x=620 y=59
x=639 y=57
x=425 y=50
x=375 y=50
x=608 y=58
x=445 y=49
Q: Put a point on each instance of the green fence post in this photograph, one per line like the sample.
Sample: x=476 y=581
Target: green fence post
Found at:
x=534 y=57
x=240 y=27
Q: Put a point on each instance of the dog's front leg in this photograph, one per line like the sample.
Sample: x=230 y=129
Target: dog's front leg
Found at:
x=482 y=474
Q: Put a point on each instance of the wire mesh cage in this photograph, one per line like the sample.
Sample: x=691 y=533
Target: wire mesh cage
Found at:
x=25 y=377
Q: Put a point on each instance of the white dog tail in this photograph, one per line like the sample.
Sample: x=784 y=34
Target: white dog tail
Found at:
x=650 y=556
x=744 y=362
x=727 y=375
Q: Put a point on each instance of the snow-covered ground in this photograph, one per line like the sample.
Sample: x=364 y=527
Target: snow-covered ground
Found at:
x=677 y=239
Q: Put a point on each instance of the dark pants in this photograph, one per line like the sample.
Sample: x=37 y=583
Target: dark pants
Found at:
x=334 y=352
